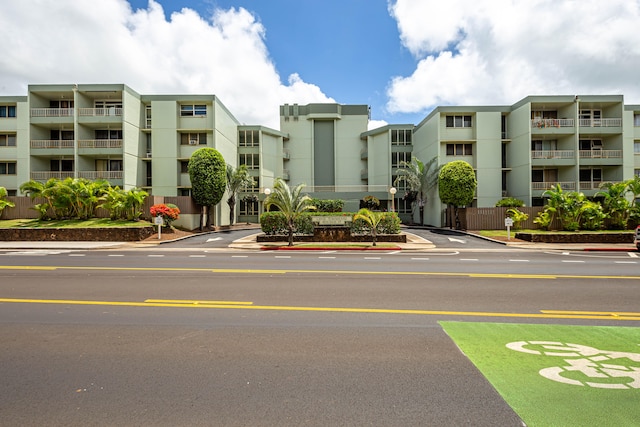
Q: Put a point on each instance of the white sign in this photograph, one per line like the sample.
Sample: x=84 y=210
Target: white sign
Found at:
x=158 y=220
x=508 y=222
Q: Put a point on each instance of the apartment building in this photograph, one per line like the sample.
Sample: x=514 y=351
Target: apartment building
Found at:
x=133 y=140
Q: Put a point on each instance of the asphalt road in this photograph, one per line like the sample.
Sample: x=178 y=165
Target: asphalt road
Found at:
x=188 y=336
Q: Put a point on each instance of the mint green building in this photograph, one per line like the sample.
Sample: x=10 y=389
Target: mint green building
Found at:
x=110 y=131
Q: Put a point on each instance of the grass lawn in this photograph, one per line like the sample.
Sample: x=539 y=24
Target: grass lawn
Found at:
x=72 y=223
x=503 y=233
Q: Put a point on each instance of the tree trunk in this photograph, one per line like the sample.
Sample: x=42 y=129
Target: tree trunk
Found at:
x=290 y=232
x=203 y=213
x=232 y=205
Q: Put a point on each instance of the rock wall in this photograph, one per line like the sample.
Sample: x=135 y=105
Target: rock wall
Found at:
x=108 y=234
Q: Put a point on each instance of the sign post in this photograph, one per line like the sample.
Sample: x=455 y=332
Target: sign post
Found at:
x=159 y=222
x=508 y=222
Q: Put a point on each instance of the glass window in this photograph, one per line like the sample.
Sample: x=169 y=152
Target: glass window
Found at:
x=458 y=121
x=7 y=168
x=459 y=149
x=636 y=147
x=7 y=140
x=191 y=110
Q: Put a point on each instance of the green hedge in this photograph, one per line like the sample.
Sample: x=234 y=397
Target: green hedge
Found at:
x=275 y=223
x=328 y=205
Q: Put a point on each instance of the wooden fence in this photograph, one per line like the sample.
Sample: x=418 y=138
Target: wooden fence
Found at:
x=24 y=206
x=491 y=218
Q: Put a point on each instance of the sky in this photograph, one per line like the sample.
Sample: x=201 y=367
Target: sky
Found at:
x=403 y=58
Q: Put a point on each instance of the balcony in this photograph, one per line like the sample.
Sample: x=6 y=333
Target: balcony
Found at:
x=108 y=175
x=100 y=112
x=545 y=185
x=600 y=154
x=552 y=154
x=47 y=175
x=286 y=155
x=100 y=143
x=596 y=123
x=51 y=143
x=552 y=123
x=52 y=112
x=590 y=185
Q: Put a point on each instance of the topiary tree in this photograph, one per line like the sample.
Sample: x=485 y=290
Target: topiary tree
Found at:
x=457 y=185
x=208 y=174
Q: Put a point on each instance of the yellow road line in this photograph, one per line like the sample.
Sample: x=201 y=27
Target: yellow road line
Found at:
x=596 y=313
x=321 y=309
x=181 y=301
x=345 y=272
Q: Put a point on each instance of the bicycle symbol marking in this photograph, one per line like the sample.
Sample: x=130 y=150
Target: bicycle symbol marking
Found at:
x=602 y=368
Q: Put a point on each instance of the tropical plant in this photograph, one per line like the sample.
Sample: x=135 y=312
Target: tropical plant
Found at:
x=592 y=216
x=517 y=216
x=371 y=202
x=291 y=202
x=419 y=178
x=543 y=219
x=328 y=205
x=615 y=203
x=4 y=203
x=236 y=179
x=371 y=219
x=457 y=185
x=36 y=189
x=207 y=172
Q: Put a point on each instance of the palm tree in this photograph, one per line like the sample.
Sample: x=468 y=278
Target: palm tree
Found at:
x=35 y=189
x=236 y=179
x=372 y=219
x=291 y=203
x=615 y=203
x=419 y=178
x=4 y=203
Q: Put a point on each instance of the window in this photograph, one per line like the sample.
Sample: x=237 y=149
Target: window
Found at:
x=636 y=147
x=396 y=158
x=458 y=121
x=61 y=135
x=636 y=119
x=590 y=175
x=108 y=104
x=108 y=134
x=255 y=188
x=7 y=140
x=401 y=136
x=193 y=138
x=248 y=206
x=197 y=110
x=147 y=114
x=537 y=175
x=56 y=165
x=636 y=172
x=249 y=138
x=7 y=168
x=184 y=192
x=184 y=166
x=251 y=160
x=459 y=149
x=7 y=111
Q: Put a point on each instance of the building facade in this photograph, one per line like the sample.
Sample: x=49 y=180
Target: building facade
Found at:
x=111 y=132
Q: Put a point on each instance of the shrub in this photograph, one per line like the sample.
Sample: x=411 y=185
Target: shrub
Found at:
x=389 y=224
x=510 y=202
x=517 y=217
x=328 y=205
x=275 y=223
x=168 y=212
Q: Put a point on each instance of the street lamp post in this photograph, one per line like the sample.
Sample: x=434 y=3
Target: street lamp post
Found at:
x=267 y=191
x=393 y=191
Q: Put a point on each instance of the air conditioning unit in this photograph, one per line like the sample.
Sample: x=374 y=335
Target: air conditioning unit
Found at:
x=193 y=142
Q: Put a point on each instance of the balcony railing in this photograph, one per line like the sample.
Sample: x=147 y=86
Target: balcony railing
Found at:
x=51 y=143
x=100 y=112
x=52 y=112
x=47 y=175
x=100 y=174
x=600 y=154
x=590 y=185
x=100 y=143
x=552 y=154
x=542 y=186
x=552 y=123
x=347 y=188
x=605 y=123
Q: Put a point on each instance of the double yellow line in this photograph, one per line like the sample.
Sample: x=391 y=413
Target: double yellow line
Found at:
x=247 y=305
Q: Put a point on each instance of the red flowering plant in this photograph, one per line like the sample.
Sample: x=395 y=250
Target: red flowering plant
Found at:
x=168 y=212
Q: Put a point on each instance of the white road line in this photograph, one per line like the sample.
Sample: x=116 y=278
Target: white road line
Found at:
x=239 y=256
x=625 y=262
x=326 y=257
x=215 y=239
x=519 y=260
x=566 y=260
x=116 y=255
x=76 y=254
x=420 y=259
x=155 y=256
x=197 y=256
x=329 y=252
x=565 y=253
x=283 y=256
x=468 y=259
x=372 y=257
x=394 y=252
x=632 y=254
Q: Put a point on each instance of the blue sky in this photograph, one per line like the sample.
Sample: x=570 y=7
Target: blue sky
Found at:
x=401 y=57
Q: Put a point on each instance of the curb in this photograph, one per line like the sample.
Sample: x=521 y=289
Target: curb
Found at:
x=325 y=248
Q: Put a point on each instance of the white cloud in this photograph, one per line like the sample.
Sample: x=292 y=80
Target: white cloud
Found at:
x=104 y=41
x=375 y=124
x=496 y=52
